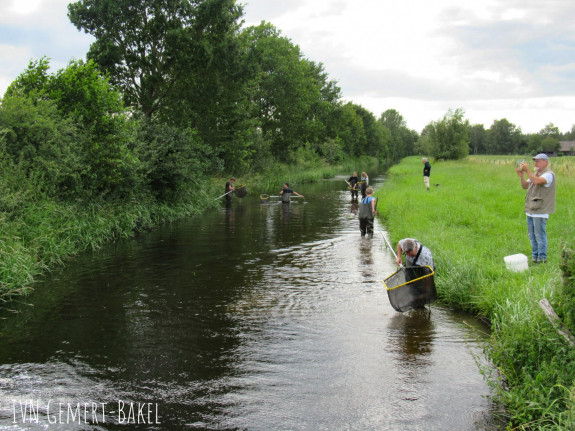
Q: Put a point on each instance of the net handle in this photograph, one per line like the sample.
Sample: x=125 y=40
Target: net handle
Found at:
x=389 y=245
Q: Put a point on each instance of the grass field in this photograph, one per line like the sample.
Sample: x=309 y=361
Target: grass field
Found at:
x=471 y=219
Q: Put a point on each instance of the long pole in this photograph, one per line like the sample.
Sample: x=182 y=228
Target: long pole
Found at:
x=223 y=195
x=388 y=244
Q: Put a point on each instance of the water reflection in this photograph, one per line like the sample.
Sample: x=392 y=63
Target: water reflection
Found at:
x=412 y=336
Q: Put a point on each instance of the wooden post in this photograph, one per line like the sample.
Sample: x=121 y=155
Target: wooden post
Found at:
x=554 y=319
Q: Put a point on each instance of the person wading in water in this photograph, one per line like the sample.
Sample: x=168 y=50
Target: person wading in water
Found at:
x=367 y=213
x=286 y=193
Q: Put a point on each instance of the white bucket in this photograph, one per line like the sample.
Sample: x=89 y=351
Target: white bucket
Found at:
x=516 y=262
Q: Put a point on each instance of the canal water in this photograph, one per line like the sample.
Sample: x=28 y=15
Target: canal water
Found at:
x=252 y=317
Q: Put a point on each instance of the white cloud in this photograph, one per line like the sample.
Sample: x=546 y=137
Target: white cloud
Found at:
x=31 y=29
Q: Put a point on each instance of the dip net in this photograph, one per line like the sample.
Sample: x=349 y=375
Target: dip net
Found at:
x=241 y=191
x=264 y=199
x=411 y=287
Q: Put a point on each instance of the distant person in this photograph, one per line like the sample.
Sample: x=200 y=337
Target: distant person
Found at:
x=230 y=190
x=426 y=172
x=286 y=193
x=364 y=184
x=367 y=212
x=416 y=254
x=352 y=182
x=539 y=203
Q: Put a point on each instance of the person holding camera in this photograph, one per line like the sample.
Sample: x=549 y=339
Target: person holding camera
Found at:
x=539 y=203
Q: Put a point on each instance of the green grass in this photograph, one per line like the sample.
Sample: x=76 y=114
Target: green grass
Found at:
x=471 y=221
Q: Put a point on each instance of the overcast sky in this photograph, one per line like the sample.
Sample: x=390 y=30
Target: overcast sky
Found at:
x=512 y=59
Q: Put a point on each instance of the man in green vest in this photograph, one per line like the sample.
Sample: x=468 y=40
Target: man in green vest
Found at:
x=539 y=203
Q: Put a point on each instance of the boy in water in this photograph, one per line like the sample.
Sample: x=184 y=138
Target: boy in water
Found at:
x=367 y=213
x=230 y=190
x=286 y=193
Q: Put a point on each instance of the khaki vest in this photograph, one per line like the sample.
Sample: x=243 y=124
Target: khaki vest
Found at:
x=541 y=199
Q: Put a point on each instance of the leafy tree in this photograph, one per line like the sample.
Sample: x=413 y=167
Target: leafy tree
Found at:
x=212 y=96
x=147 y=46
x=570 y=135
x=376 y=137
x=449 y=137
x=38 y=138
x=534 y=143
x=403 y=140
x=292 y=96
x=172 y=159
x=550 y=144
x=423 y=145
x=349 y=130
x=477 y=139
x=33 y=81
x=550 y=130
x=503 y=138
x=82 y=96
x=332 y=151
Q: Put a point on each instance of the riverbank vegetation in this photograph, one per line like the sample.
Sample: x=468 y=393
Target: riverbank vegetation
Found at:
x=471 y=219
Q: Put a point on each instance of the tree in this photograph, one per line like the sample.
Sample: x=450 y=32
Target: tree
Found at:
x=550 y=130
x=147 y=46
x=291 y=96
x=172 y=159
x=449 y=137
x=503 y=138
x=402 y=139
x=32 y=82
x=477 y=139
x=40 y=140
x=376 y=136
x=423 y=145
x=349 y=130
x=213 y=94
x=81 y=95
x=550 y=144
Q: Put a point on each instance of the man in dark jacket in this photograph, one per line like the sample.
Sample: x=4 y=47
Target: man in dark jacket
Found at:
x=426 y=172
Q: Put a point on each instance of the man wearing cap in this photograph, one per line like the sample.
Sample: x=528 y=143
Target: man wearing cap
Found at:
x=539 y=203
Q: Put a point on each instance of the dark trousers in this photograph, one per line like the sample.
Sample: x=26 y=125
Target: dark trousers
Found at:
x=366 y=226
x=354 y=194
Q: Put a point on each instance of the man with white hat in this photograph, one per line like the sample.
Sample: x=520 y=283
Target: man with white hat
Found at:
x=539 y=203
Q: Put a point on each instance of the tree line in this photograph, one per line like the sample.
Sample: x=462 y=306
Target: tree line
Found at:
x=173 y=91
x=453 y=137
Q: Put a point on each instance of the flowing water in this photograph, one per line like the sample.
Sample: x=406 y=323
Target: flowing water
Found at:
x=252 y=317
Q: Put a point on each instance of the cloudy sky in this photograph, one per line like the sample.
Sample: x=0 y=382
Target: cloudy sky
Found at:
x=495 y=59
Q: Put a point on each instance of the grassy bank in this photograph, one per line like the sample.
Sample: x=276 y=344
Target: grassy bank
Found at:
x=38 y=233
x=471 y=221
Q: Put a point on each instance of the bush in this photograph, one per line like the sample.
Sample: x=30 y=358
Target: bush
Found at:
x=42 y=142
x=172 y=159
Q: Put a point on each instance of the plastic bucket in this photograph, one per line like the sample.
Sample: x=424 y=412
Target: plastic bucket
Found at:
x=516 y=262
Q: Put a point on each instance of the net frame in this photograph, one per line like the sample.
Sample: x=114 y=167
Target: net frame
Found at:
x=240 y=191
x=407 y=291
